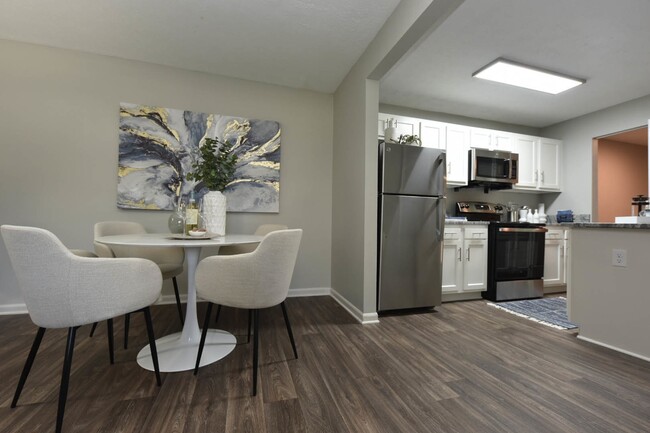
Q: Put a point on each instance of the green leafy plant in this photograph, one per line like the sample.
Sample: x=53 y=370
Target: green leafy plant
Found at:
x=216 y=165
x=409 y=139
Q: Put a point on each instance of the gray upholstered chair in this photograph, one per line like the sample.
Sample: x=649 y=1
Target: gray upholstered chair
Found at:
x=262 y=230
x=255 y=280
x=64 y=290
x=169 y=260
x=230 y=250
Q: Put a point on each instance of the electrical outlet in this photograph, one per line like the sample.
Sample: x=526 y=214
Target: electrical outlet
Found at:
x=619 y=258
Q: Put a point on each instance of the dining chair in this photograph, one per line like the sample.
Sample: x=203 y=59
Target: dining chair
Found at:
x=254 y=281
x=169 y=260
x=230 y=250
x=64 y=290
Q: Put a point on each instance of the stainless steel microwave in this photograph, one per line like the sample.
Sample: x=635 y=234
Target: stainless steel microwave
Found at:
x=493 y=167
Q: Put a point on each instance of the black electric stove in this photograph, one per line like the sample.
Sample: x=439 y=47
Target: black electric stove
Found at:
x=515 y=253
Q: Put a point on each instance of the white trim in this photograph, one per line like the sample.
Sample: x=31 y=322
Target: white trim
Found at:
x=314 y=291
x=609 y=346
x=9 y=309
x=363 y=318
x=293 y=293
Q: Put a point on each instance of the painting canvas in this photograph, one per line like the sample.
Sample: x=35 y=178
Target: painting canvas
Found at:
x=158 y=146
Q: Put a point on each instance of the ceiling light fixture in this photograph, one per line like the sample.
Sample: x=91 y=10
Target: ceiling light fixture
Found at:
x=517 y=74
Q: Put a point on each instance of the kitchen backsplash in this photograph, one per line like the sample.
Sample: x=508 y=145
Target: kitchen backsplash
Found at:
x=505 y=197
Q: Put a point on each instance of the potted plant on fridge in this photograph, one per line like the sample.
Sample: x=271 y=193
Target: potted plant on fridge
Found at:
x=215 y=169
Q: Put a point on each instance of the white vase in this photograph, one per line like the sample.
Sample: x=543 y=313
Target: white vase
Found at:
x=390 y=133
x=214 y=212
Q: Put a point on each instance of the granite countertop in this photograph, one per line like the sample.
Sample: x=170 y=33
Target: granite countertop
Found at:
x=456 y=222
x=608 y=226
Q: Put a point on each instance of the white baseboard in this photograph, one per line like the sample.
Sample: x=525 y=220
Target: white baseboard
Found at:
x=315 y=291
x=293 y=293
x=9 y=309
x=363 y=318
x=618 y=349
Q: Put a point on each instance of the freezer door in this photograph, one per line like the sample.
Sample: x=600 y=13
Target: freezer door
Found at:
x=410 y=252
x=412 y=170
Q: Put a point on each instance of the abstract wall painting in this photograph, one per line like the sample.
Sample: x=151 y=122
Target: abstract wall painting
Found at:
x=158 y=146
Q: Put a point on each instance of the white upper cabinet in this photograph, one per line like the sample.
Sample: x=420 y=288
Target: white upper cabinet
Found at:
x=457 y=141
x=539 y=163
x=539 y=158
x=490 y=139
x=549 y=164
x=526 y=147
x=382 y=124
x=404 y=125
x=432 y=134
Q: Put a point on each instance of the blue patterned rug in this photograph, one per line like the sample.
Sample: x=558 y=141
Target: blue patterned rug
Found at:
x=547 y=311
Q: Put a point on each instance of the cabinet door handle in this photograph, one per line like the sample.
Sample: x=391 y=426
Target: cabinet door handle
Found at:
x=561 y=251
x=542 y=176
x=460 y=254
x=468 y=254
x=536 y=176
x=449 y=168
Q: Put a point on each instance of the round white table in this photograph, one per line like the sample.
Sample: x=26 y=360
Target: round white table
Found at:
x=177 y=352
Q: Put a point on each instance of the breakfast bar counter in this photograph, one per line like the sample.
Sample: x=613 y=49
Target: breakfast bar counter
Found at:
x=608 y=292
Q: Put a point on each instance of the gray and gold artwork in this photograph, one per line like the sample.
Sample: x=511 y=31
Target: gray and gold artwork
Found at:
x=158 y=146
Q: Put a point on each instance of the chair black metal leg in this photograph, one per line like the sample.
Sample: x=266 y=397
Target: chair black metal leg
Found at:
x=256 y=337
x=152 y=343
x=286 y=321
x=216 y=318
x=28 y=365
x=92 y=330
x=65 y=378
x=127 y=322
x=111 y=348
x=250 y=319
x=204 y=333
x=178 y=300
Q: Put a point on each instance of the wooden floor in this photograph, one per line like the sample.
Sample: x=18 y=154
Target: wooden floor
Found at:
x=465 y=368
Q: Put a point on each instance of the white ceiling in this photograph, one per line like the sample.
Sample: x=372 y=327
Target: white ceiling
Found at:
x=312 y=44
x=603 y=41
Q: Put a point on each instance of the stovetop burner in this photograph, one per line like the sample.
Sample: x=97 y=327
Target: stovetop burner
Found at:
x=480 y=211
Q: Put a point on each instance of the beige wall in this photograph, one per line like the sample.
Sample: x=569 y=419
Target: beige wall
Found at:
x=356 y=107
x=59 y=121
x=610 y=304
x=577 y=136
x=622 y=174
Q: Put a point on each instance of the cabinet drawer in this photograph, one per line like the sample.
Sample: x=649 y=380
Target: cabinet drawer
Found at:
x=452 y=233
x=475 y=233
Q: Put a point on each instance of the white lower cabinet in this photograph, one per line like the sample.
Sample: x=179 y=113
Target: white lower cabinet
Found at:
x=555 y=257
x=464 y=263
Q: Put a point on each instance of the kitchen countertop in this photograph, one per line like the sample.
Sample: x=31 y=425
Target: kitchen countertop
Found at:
x=607 y=226
x=455 y=222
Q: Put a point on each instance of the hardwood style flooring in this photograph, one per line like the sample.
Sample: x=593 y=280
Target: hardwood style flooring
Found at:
x=465 y=368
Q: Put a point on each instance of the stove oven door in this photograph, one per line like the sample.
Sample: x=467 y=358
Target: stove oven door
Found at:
x=515 y=262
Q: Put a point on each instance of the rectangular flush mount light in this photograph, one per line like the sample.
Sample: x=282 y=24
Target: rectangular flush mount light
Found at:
x=516 y=74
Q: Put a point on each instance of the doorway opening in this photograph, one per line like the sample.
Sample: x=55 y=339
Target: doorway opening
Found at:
x=620 y=169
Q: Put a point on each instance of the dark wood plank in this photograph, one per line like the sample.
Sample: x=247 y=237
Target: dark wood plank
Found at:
x=464 y=368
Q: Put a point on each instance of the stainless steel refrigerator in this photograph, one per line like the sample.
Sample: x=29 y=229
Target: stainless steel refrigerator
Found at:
x=411 y=226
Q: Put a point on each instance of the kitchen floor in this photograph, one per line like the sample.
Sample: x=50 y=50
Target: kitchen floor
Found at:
x=465 y=368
